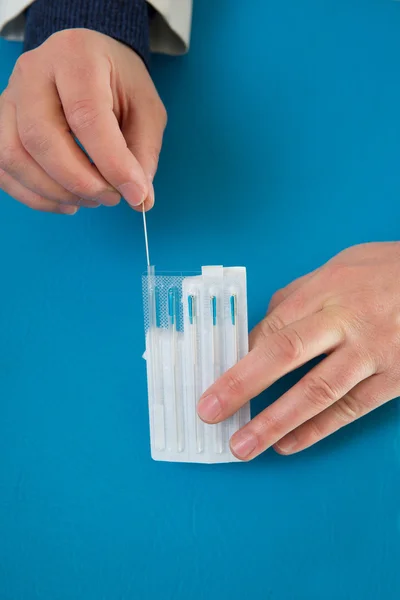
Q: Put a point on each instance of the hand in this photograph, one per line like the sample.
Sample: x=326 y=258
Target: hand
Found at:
x=86 y=83
x=349 y=310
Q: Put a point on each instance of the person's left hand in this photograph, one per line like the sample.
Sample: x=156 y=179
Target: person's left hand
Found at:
x=348 y=310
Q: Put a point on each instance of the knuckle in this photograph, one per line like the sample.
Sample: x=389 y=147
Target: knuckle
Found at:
x=69 y=39
x=288 y=345
x=336 y=272
x=361 y=365
x=272 y=324
x=235 y=385
x=347 y=409
x=33 y=139
x=277 y=298
x=9 y=157
x=318 y=392
x=82 y=114
x=312 y=433
x=270 y=426
x=24 y=64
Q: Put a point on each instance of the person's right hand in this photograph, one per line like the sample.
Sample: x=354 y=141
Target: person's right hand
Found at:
x=81 y=84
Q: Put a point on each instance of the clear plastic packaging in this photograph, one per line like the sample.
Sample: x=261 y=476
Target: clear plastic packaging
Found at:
x=196 y=329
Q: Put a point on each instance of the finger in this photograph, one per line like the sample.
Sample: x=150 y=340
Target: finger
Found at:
x=16 y=161
x=150 y=200
x=277 y=355
x=45 y=135
x=364 y=398
x=320 y=388
x=16 y=190
x=303 y=301
x=285 y=292
x=144 y=136
x=88 y=107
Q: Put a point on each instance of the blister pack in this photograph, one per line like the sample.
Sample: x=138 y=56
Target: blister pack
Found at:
x=196 y=329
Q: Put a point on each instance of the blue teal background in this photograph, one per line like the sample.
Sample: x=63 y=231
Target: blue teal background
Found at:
x=283 y=122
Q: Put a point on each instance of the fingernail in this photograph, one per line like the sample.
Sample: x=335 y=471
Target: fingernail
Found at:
x=287 y=444
x=90 y=203
x=151 y=195
x=108 y=198
x=133 y=194
x=87 y=203
x=243 y=444
x=209 y=408
x=68 y=210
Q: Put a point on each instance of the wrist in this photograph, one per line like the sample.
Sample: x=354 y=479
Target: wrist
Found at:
x=126 y=21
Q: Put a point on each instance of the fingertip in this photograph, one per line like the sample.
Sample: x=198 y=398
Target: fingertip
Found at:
x=244 y=444
x=109 y=198
x=148 y=204
x=64 y=209
x=135 y=194
x=287 y=445
x=209 y=409
x=279 y=450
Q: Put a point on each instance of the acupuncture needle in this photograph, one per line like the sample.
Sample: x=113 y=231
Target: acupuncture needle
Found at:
x=219 y=428
x=146 y=238
x=155 y=348
x=234 y=312
x=172 y=316
x=192 y=310
x=156 y=362
x=235 y=346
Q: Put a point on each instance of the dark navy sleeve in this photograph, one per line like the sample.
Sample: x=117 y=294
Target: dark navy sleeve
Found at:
x=124 y=20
